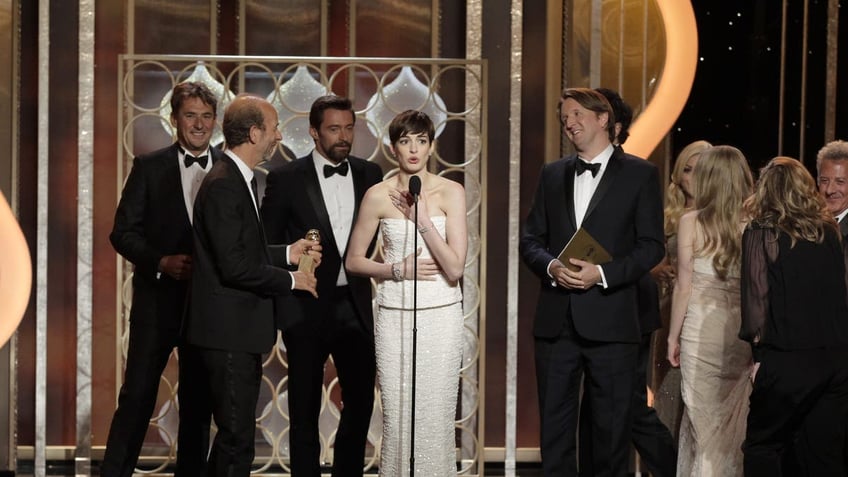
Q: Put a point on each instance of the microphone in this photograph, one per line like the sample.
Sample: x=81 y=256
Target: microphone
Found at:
x=415 y=190
x=415 y=187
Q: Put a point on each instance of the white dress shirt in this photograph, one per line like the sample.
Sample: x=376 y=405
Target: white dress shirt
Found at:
x=584 y=188
x=191 y=177
x=339 y=198
x=585 y=184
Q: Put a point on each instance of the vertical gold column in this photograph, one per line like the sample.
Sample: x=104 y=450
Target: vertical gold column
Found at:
x=802 y=123
x=85 y=232
x=554 y=75
x=42 y=197
x=781 y=108
x=475 y=172
x=595 y=45
x=513 y=228
x=830 y=74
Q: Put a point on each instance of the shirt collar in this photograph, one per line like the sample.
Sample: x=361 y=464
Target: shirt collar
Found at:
x=184 y=152
x=602 y=158
x=321 y=161
x=246 y=172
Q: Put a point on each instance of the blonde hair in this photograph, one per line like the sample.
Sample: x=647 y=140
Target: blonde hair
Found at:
x=675 y=198
x=786 y=197
x=722 y=182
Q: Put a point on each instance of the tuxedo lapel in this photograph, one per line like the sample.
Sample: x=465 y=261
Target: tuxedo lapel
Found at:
x=612 y=170
x=316 y=201
x=247 y=198
x=568 y=188
x=843 y=227
x=172 y=181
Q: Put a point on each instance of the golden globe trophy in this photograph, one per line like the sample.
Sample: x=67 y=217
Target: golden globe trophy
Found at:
x=306 y=263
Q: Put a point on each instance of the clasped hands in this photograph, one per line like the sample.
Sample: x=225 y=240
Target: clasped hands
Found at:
x=177 y=267
x=586 y=276
x=302 y=280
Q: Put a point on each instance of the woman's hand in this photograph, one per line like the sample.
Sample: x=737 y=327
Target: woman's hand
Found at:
x=404 y=201
x=427 y=267
x=753 y=374
x=664 y=273
x=674 y=352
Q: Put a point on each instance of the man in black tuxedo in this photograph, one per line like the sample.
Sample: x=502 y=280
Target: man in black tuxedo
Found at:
x=587 y=320
x=649 y=435
x=323 y=191
x=832 y=171
x=152 y=230
x=230 y=319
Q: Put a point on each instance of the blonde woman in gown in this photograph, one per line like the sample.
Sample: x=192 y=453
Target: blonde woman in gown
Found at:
x=665 y=380
x=705 y=319
x=442 y=241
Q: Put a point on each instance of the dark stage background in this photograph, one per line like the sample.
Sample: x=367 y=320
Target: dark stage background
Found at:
x=736 y=96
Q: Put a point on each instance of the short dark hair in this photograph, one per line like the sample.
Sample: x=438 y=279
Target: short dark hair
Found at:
x=593 y=101
x=191 y=89
x=242 y=114
x=323 y=103
x=411 y=122
x=621 y=110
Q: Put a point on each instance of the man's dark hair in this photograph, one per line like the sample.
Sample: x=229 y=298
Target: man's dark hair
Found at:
x=621 y=110
x=190 y=89
x=242 y=114
x=411 y=122
x=330 y=101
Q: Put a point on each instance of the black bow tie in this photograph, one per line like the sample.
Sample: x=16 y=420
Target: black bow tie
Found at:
x=188 y=159
x=583 y=166
x=341 y=169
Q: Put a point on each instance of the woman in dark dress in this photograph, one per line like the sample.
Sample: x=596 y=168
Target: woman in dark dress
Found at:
x=795 y=316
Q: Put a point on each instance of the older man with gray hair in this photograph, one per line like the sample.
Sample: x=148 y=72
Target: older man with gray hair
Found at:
x=832 y=167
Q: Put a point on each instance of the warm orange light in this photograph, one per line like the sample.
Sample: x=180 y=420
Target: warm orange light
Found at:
x=15 y=272
x=681 y=60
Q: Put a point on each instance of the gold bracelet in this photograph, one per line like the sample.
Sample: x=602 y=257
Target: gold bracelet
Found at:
x=397 y=272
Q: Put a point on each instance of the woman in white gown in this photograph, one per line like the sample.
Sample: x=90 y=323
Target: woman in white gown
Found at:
x=442 y=244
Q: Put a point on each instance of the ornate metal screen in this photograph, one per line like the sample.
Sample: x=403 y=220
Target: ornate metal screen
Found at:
x=452 y=92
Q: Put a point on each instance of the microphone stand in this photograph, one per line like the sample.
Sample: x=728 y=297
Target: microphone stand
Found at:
x=414 y=341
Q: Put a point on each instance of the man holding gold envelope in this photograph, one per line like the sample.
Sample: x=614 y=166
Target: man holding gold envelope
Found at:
x=586 y=321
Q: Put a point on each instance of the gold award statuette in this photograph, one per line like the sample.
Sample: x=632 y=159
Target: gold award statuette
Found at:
x=306 y=263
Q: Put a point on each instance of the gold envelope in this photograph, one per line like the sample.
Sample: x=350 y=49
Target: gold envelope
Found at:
x=583 y=246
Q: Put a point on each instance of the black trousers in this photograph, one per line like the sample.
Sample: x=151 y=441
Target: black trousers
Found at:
x=799 y=404
x=650 y=436
x=610 y=370
x=339 y=333
x=150 y=346
x=231 y=380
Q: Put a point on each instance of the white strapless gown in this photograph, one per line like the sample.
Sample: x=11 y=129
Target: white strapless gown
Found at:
x=439 y=357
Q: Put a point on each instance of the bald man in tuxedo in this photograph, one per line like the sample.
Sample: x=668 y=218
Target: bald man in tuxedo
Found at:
x=230 y=319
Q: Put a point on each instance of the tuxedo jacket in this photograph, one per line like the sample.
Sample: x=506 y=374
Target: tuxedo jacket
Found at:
x=293 y=204
x=625 y=216
x=233 y=272
x=151 y=221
